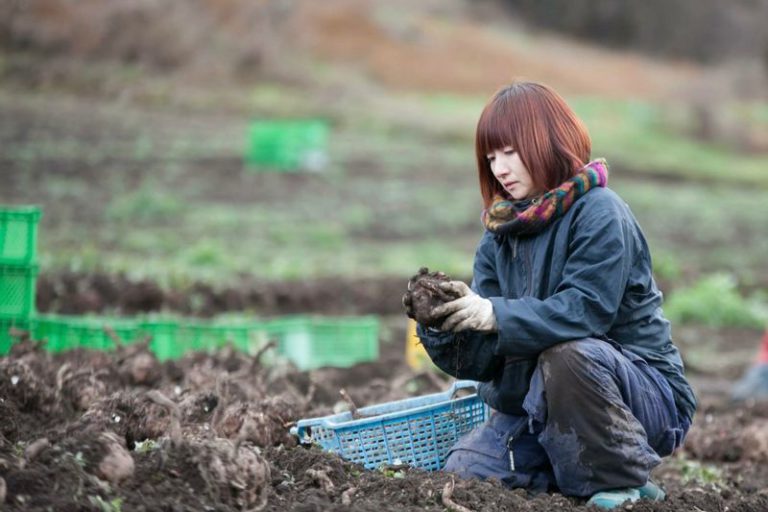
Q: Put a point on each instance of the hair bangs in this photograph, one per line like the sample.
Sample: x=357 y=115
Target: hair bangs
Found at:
x=496 y=128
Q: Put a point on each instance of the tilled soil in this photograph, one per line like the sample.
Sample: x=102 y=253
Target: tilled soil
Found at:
x=86 y=431
x=93 y=292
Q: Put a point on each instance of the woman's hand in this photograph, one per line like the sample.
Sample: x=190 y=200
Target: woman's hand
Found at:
x=469 y=311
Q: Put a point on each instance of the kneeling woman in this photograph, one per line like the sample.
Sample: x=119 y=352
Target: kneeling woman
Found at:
x=563 y=323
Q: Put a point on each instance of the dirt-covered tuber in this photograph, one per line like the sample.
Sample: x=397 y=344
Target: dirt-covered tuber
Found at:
x=424 y=294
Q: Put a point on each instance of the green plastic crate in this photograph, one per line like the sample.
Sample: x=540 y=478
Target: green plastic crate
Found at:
x=54 y=330
x=126 y=329
x=88 y=333
x=18 y=235
x=165 y=340
x=17 y=290
x=62 y=332
x=171 y=339
x=69 y=332
x=287 y=144
x=6 y=325
x=313 y=342
x=47 y=328
x=309 y=342
x=213 y=336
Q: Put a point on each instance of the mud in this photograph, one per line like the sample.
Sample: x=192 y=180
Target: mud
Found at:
x=79 y=431
x=424 y=295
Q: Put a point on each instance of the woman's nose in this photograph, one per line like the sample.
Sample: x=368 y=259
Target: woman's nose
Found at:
x=501 y=169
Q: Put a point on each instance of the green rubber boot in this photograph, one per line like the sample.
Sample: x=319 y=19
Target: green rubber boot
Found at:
x=651 y=491
x=615 y=498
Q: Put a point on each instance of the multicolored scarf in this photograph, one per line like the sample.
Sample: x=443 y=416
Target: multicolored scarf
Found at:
x=527 y=217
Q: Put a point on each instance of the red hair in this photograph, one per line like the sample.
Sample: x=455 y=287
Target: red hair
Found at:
x=535 y=121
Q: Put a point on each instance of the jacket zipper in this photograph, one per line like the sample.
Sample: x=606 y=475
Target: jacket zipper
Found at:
x=510 y=441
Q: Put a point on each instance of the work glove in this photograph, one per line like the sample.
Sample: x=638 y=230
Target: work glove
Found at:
x=407 y=299
x=469 y=311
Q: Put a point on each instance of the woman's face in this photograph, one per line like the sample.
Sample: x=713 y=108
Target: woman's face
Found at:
x=511 y=172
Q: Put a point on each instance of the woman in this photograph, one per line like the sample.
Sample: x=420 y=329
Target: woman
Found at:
x=563 y=323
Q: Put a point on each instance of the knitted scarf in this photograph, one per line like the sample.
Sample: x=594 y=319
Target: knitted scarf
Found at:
x=527 y=217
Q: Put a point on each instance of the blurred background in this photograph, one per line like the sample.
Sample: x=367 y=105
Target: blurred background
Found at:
x=296 y=156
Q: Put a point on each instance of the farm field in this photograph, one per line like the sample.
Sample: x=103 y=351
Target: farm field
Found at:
x=150 y=208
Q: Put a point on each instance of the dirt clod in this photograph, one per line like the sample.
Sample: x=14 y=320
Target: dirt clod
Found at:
x=34 y=449
x=116 y=464
x=424 y=294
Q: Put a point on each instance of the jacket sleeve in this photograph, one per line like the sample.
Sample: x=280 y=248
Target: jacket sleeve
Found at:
x=468 y=354
x=587 y=300
x=464 y=355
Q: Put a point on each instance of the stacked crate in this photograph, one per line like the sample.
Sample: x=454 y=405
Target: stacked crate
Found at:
x=18 y=270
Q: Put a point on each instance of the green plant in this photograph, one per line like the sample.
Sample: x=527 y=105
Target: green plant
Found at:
x=145 y=446
x=694 y=472
x=666 y=266
x=715 y=301
x=392 y=473
x=113 y=505
x=206 y=253
x=148 y=204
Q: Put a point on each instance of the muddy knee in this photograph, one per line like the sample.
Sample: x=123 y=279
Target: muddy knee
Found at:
x=567 y=364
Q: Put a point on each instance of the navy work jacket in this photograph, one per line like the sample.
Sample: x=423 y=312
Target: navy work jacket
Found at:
x=586 y=275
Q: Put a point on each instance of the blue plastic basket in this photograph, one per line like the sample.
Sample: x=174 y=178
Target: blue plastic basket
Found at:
x=417 y=431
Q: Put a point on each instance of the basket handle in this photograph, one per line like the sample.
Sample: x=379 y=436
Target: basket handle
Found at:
x=302 y=429
x=461 y=384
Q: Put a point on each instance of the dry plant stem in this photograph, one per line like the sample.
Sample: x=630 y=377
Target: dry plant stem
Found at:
x=260 y=506
x=3 y=490
x=18 y=334
x=434 y=379
x=61 y=377
x=311 y=392
x=257 y=357
x=321 y=477
x=352 y=405
x=34 y=449
x=431 y=376
x=448 y=502
x=162 y=400
x=242 y=435
x=222 y=391
x=113 y=335
x=401 y=380
x=346 y=496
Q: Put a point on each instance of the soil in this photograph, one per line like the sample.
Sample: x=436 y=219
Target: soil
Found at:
x=79 y=431
x=424 y=295
x=77 y=293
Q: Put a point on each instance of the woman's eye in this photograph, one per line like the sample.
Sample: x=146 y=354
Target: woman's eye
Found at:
x=509 y=151
x=490 y=158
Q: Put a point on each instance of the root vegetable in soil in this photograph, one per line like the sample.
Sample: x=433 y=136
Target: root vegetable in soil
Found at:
x=424 y=294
